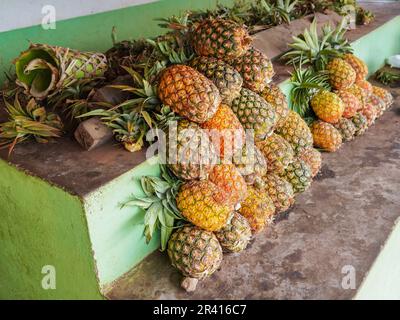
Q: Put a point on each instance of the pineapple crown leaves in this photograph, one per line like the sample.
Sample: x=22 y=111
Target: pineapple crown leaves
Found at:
x=28 y=121
x=336 y=38
x=311 y=49
x=159 y=204
x=306 y=82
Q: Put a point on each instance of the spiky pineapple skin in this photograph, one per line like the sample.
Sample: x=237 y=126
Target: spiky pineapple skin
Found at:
x=190 y=158
x=226 y=131
x=327 y=106
x=359 y=93
x=226 y=78
x=196 y=253
x=351 y=103
x=254 y=113
x=274 y=95
x=370 y=113
x=256 y=69
x=341 y=74
x=346 y=128
x=378 y=104
x=278 y=152
x=279 y=190
x=358 y=65
x=228 y=179
x=326 y=136
x=384 y=94
x=257 y=208
x=313 y=158
x=203 y=204
x=220 y=38
x=366 y=86
x=299 y=175
x=251 y=163
x=236 y=235
x=296 y=131
x=360 y=122
x=188 y=93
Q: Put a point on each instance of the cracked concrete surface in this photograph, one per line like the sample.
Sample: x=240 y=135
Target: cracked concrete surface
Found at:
x=343 y=219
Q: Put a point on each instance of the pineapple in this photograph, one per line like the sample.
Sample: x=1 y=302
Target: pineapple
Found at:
x=203 y=204
x=296 y=131
x=190 y=155
x=226 y=78
x=384 y=94
x=220 y=38
x=326 y=136
x=366 y=86
x=196 y=253
x=229 y=180
x=274 y=95
x=327 y=106
x=358 y=65
x=226 y=131
x=298 y=173
x=256 y=69
x=236 y=235
x=370 y=113
x=257 y=208
x=254 y=113
x=279 y=190
x=313 y=158
x=378 y=104
x=346 y=128
x=358 y=92
x=278 y=152
x=341 y=74
x=351 y=103
x=360 y=122
x=251 y=163
x=189 y=93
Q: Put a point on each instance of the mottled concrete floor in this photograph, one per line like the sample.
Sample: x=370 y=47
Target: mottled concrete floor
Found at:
x=343 y=219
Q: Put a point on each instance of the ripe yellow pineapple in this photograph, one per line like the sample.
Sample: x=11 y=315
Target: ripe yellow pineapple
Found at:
x=189 y=93
x=278 y=152
x=274 y=95
x=358 y=65
x=327 y=106
x=351 y=103
x=341 y=74
x=346 y=128
x=229 y=180
x=326 y=136
x=296 y=131
x=220 y=38
x=313 y=158
x=190 y=155
x=236 y=235
x=256 y=69
x=378 y=104
x=298 y=173
x=203 y=204
x=226 y=78
x=254 y=113
x=257 y=208
x=196 y=253
x=279 y=190
x=366 y=86
x=226 y=132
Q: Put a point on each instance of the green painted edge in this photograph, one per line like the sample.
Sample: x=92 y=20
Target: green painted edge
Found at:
x=47 y=228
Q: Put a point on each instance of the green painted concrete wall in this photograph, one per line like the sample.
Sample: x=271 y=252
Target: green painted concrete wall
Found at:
x=117 y=233
x=94 y=32
x=42 y=225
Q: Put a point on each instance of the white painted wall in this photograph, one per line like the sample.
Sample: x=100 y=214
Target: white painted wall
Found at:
x=15 y=14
